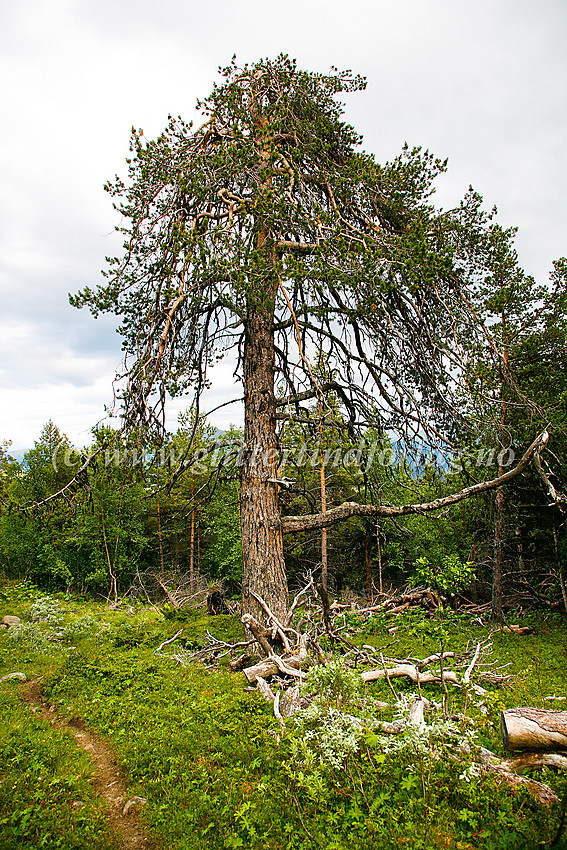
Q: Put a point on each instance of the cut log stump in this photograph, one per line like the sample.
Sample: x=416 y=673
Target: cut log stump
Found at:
x=534 y=729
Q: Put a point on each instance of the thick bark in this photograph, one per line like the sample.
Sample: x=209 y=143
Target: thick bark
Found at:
x=534 y=729
x=500 y=515
x=192 y=542
x=560 y=566
x=379 y=554
x=521 y=551
x=263 y=569
x=368 y=563
x=324 y=561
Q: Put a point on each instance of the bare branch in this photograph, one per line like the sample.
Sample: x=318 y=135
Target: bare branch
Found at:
x=349 y=509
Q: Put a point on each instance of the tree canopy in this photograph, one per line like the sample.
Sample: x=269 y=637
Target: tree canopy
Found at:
x=269 y=232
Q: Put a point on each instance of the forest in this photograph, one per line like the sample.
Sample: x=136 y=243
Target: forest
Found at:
x=210 y=606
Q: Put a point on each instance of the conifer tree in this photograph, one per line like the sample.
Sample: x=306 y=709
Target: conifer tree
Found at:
x=268 y=231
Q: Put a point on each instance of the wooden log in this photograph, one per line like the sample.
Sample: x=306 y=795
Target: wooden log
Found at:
x=261 y=670
x=265 y=689
x=518 y=630
x=542 y=793
x=533 y=729
x=535 y=761
x=411 y=671
x=289 y=665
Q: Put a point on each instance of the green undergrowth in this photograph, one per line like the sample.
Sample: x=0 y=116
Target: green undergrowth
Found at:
x=46 y=799
x=534 y=666
x=209 y=757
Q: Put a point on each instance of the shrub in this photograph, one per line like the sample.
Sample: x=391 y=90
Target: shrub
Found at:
x=47 y=610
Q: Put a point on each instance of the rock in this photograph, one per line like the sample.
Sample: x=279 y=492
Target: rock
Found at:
x=78 y=804
x=3 y=626
x=21 y=676
x=10 y=620
x=134 y=804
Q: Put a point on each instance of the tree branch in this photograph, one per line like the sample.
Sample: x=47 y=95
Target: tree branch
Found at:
x=349 y=509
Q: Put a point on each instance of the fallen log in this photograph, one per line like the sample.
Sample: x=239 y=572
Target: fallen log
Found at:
x=518 y=630
x=535 y=761
x=411 y=671
x=533 y=729
x=290 y=665
x=492 y=764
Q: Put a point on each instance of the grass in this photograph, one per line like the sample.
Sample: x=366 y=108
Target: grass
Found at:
x=203 y=750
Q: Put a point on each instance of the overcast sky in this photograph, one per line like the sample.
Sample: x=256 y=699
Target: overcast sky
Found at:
x=483 y=83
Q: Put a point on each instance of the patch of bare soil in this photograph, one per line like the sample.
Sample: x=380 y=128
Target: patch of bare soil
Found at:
x=123 y=809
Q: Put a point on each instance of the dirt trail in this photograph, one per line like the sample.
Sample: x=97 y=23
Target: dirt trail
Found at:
x=107 y=780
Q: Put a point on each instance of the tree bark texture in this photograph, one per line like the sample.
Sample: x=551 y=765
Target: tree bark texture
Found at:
x=534 y=729
x=263 y=568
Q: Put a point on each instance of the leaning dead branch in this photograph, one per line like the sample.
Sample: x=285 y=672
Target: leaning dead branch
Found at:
x=490 y=763
x=79 y=480
x=166 y=642
x=349 y=509
x=210 y=654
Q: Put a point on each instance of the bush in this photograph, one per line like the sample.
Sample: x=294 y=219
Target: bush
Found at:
x=47 y=610
x=334 y=684
x=85 y=625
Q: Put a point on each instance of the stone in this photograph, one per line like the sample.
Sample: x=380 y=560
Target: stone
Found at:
x=21 y=676
x=10 y=620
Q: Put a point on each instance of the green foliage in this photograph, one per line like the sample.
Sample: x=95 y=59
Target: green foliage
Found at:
x=202 y=749
x=19 y=591
x=81 y=627
x=334 y=683
x=47 y=610
x=43 y=774
x=449 y=575
x=325 y=737
x=33 y=635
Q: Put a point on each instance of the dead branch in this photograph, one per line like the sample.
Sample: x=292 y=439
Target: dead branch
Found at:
x=492 y=764
x=258 y=631
x=62 y=493
x=470 y=668
x=297 y=599
x=349 y=509
x=165 y=643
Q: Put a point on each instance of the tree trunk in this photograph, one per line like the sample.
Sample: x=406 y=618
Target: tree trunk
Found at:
x=496 y=613
x=499 y=520
x=379 y=554
x=559 y=566
x=263 y=568
x=368 y=563
x=324 y=561
x=521 y=551
x=533 y=729
x=192 y=542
